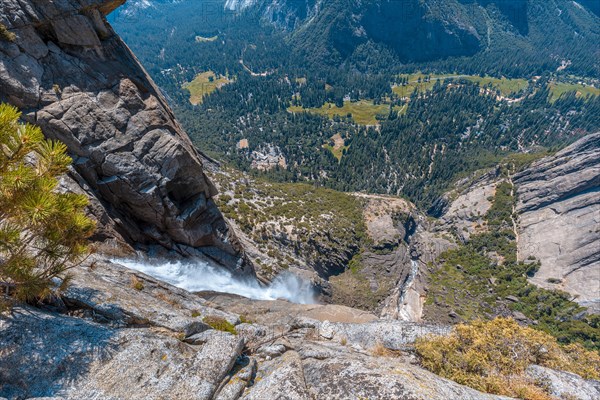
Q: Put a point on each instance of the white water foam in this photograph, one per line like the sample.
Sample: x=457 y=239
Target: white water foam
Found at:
x=196 y=276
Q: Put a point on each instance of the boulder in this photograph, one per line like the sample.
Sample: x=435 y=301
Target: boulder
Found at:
x=75 y=358
x=565 y=385
x=233 y=386
x=282 y=379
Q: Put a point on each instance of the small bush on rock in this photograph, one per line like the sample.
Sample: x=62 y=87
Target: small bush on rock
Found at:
x=136 y=283
x=43 y=233
x=492 y=357
x=220 y=324
x=5 y=34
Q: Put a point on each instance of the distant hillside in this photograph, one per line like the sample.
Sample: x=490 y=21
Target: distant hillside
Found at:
x=513 y=34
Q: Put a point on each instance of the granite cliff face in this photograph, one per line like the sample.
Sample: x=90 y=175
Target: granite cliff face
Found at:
x=558 y=217
x=73 y=76
x=559 y=220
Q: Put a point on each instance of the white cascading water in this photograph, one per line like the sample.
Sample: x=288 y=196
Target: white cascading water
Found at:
x=196 y=276
x=406 y=309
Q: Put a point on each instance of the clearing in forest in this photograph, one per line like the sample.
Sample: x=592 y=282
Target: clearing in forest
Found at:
x=338 y=147
x=423 y=82
x=557 y=89
x=204 y=84
x=363 y=112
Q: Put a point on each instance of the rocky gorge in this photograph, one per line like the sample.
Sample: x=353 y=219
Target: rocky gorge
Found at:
x=120 y=334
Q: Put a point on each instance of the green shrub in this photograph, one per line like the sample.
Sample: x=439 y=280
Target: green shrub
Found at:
x=220 y=324
x=244 y=319
x=5 y=34
x=136 y=283
x=42 y=233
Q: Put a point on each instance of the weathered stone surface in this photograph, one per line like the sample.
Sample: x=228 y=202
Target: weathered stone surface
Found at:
x=129 y=297
x=372 y=378
x=466 y=212
x=186 y=374
x=565 y=385
x=324 y=370
x=281 y=312
x=380 y=213
x=271 y=351
x=233 y=386
x=393 y=335
x=109 y=234
x=331 y=322
x=281 y=379
x=559 y=219
x=72 y=75
x=44 y=354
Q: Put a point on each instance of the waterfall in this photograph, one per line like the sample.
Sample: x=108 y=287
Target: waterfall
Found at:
x=197 y=275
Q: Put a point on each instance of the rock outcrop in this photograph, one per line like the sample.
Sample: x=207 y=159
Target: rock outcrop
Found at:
x=312 y=370
x=565 y=385
x=74 y=358
x=73 y=76
x=302 y=354
x=465 y=214
x=559 y=220
x=116 y=334
x=120 y=334
x=123 y=335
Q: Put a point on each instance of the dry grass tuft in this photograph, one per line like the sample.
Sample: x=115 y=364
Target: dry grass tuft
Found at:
x=379 y=350
x=136 y=283
x=6 y=35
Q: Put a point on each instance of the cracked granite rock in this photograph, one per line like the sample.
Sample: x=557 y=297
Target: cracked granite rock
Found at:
x=559 y=220
x=73 y=76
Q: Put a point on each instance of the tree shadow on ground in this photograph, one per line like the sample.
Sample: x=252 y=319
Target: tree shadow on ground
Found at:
x=42 y=352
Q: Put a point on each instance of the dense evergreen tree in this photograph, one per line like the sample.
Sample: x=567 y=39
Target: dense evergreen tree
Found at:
x=42 y=232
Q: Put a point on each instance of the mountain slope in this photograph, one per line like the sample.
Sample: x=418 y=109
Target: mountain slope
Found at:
x=523 y=32
x=301 y=76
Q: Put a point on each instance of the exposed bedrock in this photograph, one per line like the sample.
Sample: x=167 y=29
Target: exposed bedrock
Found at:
x=72 y=75
x=559 y=220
